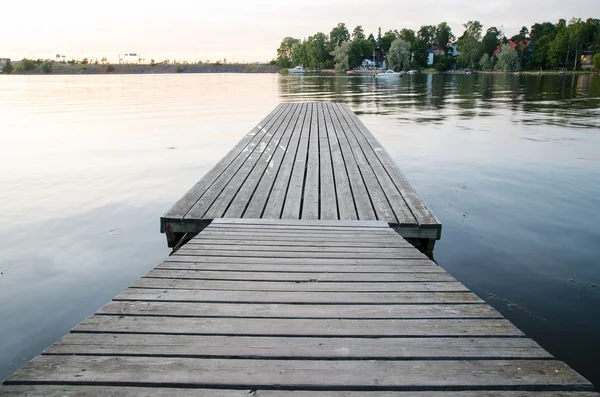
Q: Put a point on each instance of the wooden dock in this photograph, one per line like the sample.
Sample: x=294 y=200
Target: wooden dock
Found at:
x=296 y=308
x=313 y=161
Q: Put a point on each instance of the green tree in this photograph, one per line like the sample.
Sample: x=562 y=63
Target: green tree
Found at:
x=443 y=36
x=85 y=61
x=338 y=35
x=508 y=59
x=558 y=49
x=358 y=33
x=284 y=52
x=319 y=45
x=491 y=41
x=26 y=65
x=596 y=61
x=484 y=62
x=301 y=54
x=399 y=55
x=387 y=39
x=340 y=57
x=46 y=67
x=469 y=42
x=354 y=54
x=372 y=40
x=521 y=41
x=419 y=53
x=408 y=35
x=576 y=31
x=8 y=67
x=427 y=34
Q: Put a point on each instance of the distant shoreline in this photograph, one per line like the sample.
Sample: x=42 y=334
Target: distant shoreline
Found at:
x=79 y=68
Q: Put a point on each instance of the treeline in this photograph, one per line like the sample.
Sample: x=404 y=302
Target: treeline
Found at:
x=545 y=45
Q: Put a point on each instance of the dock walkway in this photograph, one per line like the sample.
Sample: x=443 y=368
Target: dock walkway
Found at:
x=313 y=161
x=257 y=307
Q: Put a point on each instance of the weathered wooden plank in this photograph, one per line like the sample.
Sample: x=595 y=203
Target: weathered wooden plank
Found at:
x=301 y=222
x=324 y=236
x=277 y=310
x=302 y=255
x=198 y=265
x=120 y=391
x=242 y=192
x=424 y=216
x=299 y=327
x=306 y=374
x=301 y=228
x=267 y=242
x=248 y=142
x=239 y=169
x=302 y=260
x=399 y=251
x=378 y=198
x=327 y=195
x=341 y=298
x=191 y=271
x=299 y=348
x=300 y=238
x=345 y=199
x=399 y=206
x=170 y=283
x=276 y=198
x=256 y=191
x=362 y=202
x=293 y=199
x=310 y=200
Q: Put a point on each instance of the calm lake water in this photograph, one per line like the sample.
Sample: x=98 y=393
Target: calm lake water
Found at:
x=509 y=164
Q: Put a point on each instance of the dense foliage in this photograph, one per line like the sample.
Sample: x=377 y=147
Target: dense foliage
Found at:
x=544 y=45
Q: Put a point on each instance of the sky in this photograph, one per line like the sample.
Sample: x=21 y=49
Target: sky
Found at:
x=240 y=31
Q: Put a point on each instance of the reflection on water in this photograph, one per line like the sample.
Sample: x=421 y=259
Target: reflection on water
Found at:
x=510 y=165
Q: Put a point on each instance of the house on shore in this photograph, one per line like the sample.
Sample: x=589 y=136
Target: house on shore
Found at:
x=4 y=61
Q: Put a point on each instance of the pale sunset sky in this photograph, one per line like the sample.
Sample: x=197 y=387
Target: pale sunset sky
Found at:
x=241 y=31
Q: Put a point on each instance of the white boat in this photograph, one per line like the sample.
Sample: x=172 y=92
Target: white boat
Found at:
x=412 y=72
x=297 y=69
x=388 y=74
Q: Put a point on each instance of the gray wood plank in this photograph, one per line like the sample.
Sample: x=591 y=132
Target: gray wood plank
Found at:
x=343 y=229
x=324 y=235
x=310 y=199
x=120 y=391
x=261 y=187
x=275 y=200
x=341 y=298
x=302 y=222
x=397 y=251
x=203 y=240
x=247 y=143
x=170 y=283
x=190 y=271
x=327 y=194
x=374 y=271
x=236 y=196
x=295 y=261
x=299 y=327
x=400 y=207
x=301 y=255
x=315 y=237
x=345 y=200
x=424 y=216
x=293 y=199
x=362 y=202
x=278 y=310
x=299 y=348
x=378 y=198
x=238 y=170
x=294 y=374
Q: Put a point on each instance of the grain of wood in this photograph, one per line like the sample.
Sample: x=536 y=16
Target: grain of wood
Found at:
x=327 y=197
x=299 y=327
x=299 y=348
x=310 y=197
x=120 y=391
x=271 y=310
x=295 y=374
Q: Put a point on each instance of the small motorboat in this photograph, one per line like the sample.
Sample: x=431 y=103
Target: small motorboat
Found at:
x=412 y=72
x=297 y=69
x=388 y=74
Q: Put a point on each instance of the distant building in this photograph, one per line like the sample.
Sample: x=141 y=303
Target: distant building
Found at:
x=437 y=51
x=3 y=61
x=527 y=47
x=454 y=50
x=430 y=55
